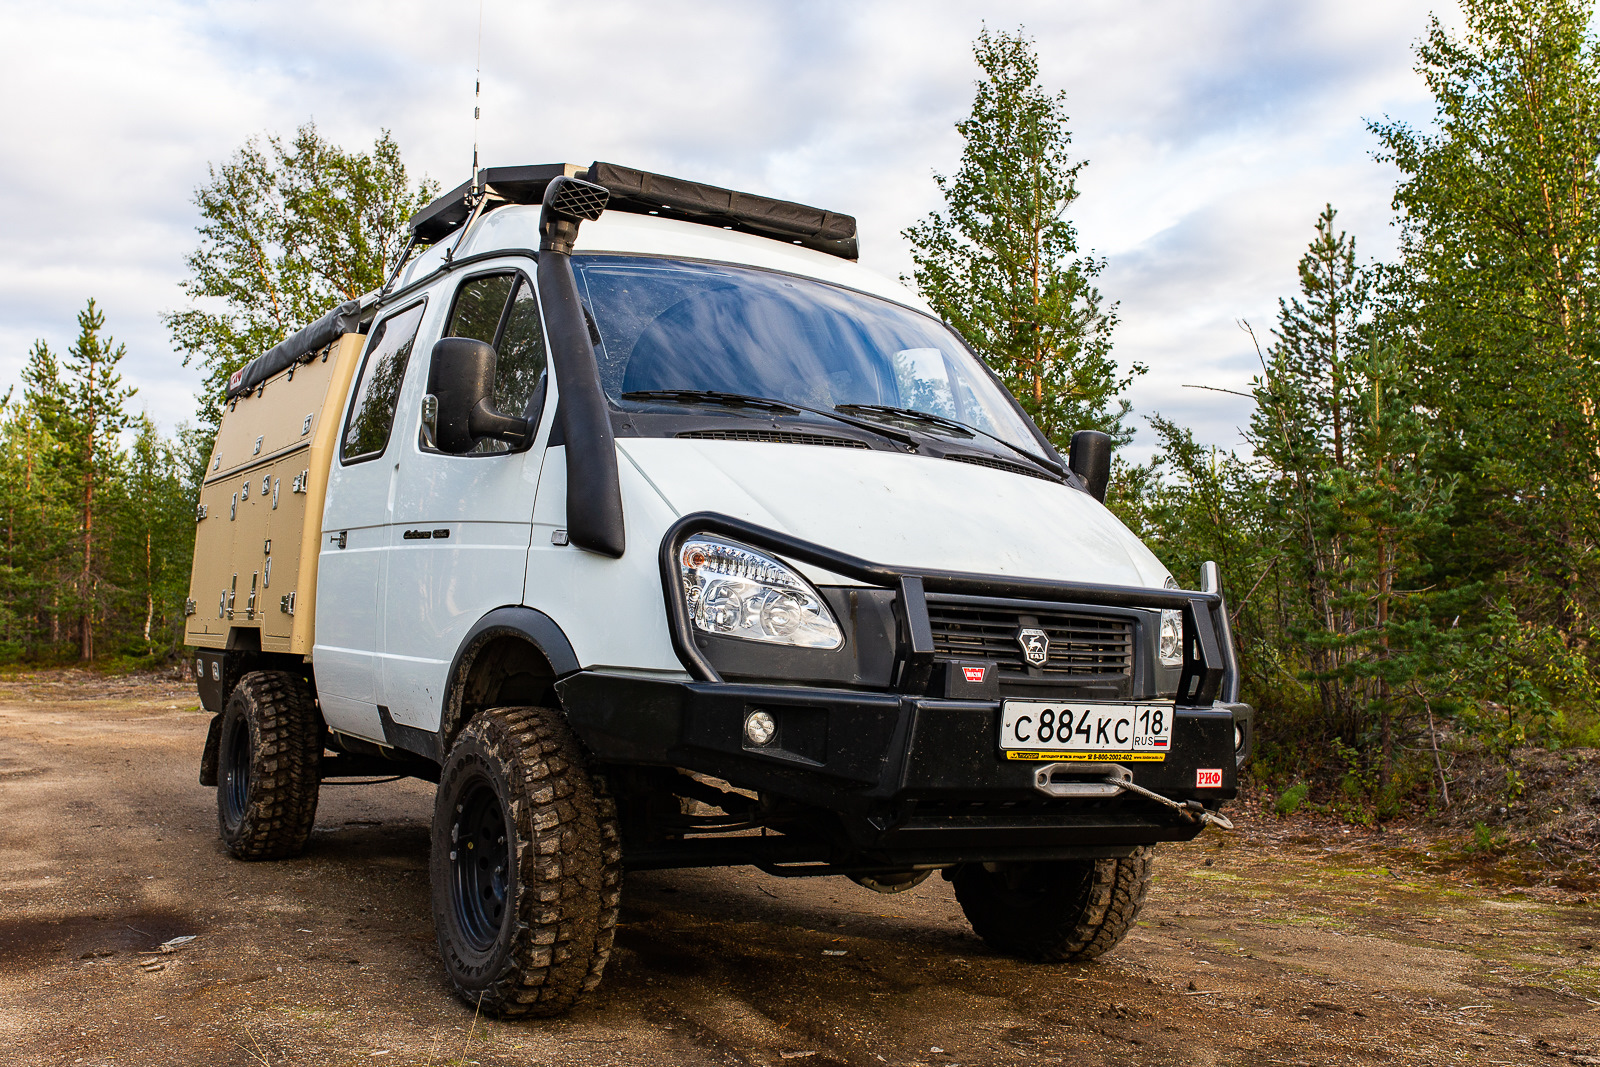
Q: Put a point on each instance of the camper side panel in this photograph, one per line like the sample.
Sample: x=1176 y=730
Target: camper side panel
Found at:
x=262 y=501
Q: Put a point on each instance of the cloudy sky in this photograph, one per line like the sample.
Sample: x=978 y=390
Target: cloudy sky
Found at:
x=1215 y=131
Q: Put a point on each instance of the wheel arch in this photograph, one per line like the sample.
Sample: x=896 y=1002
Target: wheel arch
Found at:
x=513 y=655
x=242 y=655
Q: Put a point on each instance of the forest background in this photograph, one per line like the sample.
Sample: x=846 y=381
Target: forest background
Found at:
x=1408 y=542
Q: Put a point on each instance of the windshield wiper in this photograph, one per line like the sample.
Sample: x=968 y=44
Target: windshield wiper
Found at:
x=782 y=407
x=913 y=415
x=712 y=396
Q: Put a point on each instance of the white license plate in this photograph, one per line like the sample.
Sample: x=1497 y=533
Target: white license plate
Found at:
x=1093 y=733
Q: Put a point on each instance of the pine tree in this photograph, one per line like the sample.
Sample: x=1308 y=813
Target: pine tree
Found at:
x=95 y=416
x=1348 y=457
x=41 y=512
x=1001 y=262
x=155 y=536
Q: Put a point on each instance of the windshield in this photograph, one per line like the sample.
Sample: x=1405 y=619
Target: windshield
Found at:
x=665 y=324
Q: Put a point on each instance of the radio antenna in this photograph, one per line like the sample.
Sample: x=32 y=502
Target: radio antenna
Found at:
x=477 y=93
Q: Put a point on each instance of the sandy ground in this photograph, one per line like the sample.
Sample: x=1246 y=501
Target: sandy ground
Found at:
x=1259 y=947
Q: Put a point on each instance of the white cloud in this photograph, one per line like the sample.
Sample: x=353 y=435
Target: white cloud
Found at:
x=1216 y=131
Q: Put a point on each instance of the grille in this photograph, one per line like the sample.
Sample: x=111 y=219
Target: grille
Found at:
x=776 y=437
x=999 y=465
x=579 y=200
x=1080 y=644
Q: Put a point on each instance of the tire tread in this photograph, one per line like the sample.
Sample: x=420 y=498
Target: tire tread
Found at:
x=1084 y=925
x=570 y=866
x=286 y=767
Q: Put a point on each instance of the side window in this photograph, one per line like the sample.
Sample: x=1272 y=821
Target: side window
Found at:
x=480 y=304
x=378 y=389
x=521 y=348
x=502 y=310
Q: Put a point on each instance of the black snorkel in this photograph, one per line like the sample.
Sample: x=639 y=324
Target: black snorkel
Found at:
x=594 y=494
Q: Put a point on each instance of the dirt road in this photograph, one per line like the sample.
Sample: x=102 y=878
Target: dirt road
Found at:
x=1252 y=950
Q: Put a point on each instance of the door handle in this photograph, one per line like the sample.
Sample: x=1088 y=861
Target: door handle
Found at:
x=341 y=538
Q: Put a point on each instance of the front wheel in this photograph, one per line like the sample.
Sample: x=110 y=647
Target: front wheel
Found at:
x=1057 y=911
x=526 y=865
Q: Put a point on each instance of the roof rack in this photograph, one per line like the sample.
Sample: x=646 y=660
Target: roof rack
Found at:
x=645 y=193
x=632 y=190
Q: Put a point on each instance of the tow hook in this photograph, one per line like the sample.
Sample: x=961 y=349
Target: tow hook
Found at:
x=1090 y=780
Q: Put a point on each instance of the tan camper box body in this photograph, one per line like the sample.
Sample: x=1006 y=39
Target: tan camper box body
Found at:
x=260 y=512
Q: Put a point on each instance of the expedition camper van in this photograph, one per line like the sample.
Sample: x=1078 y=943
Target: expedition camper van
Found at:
x=659 y=533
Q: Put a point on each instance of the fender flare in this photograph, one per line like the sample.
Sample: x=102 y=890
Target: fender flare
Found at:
x=535 y=627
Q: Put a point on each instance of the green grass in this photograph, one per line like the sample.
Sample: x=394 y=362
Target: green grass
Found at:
x=1291 y=799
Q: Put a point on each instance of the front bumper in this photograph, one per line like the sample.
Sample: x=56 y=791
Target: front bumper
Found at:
x=899 y=779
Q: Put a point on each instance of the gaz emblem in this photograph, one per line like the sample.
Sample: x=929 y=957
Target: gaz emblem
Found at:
x=1035 y=645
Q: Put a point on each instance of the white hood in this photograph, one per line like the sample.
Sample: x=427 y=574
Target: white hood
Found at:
x=900 y=510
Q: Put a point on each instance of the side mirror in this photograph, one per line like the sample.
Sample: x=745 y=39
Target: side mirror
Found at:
x=461 y=388
x=1090 y=459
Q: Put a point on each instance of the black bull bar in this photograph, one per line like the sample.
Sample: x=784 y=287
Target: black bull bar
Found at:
x=1210 y=671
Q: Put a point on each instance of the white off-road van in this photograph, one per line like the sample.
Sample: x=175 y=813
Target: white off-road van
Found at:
x=659 y=533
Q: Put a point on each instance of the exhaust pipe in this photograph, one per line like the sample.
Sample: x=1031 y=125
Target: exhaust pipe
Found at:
x=594 y=494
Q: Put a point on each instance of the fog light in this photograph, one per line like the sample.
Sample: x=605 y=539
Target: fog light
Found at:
x=1238 y=738
x=759 y=728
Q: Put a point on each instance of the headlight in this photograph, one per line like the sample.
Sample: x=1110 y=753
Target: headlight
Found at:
x=1171 y=638
x=734 y=590
x=1171 y=650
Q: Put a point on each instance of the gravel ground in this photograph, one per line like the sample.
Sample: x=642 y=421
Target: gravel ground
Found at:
x=1282 y=943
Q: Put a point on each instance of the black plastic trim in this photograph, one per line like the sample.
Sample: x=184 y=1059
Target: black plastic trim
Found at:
x=209 y=754
x=534 y=626
x=424 y=743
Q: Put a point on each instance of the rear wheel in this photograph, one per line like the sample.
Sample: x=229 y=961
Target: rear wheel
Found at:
x=269 y=757
x=1064 y=910
x=526 y=865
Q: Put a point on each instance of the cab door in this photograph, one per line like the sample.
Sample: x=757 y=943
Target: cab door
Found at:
x=351 y=562
x=459 y=542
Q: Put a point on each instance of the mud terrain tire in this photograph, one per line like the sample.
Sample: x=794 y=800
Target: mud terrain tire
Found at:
x=1054 y=912
x=526 y=865
x=268 y=760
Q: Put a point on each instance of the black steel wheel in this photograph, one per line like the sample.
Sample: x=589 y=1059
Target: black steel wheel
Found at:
x=480 y=861
x=1057 y=911
x=233 y=781
x=526 y=865
x=268 y=777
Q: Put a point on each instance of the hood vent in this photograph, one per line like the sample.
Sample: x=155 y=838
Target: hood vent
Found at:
x=774 y=437
x=1001 y=465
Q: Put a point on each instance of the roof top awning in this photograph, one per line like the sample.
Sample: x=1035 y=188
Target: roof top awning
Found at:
x=643 y=192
